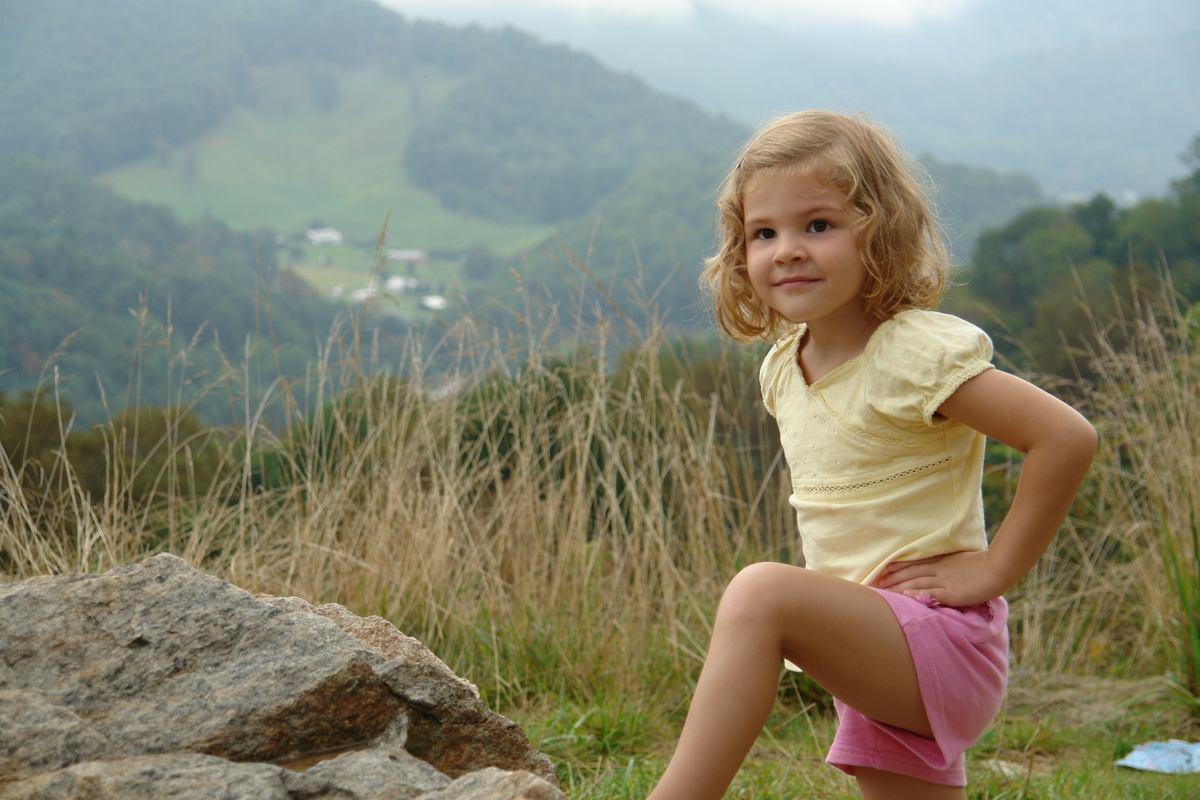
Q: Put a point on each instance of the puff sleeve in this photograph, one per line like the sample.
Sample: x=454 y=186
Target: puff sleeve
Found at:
x=922 y=360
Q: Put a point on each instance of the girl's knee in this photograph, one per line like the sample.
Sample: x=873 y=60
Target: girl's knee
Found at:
x=767 y=576
x=755 y=590
x=751 y=582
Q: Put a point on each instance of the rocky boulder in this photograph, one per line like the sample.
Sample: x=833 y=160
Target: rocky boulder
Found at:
x=157 y=680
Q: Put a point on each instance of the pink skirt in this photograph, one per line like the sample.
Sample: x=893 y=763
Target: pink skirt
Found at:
x=961 y=657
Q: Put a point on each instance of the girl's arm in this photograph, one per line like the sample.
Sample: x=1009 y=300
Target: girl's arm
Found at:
x=1058 y=444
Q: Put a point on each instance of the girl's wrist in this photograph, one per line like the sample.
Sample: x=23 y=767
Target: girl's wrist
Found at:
x=1007 y=569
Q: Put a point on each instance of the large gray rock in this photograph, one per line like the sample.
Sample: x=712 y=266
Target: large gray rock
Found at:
x=368 y=775
x=160 y=658
x=38 y=736
x=448 y=725
x=496 y=784
x=156 y=680
x=179 y=776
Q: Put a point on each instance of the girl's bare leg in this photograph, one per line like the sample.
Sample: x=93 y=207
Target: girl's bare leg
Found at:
x=842 y=634
x=876 y=784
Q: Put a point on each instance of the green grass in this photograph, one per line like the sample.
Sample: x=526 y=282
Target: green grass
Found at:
x=1018 y=759
x=280 y=162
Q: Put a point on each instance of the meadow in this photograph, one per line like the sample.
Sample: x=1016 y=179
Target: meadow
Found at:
x=557 y=522
x=283 y=162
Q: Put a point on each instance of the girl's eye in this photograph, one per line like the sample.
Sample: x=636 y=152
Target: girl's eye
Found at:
x=765 y=233
x=819 y=226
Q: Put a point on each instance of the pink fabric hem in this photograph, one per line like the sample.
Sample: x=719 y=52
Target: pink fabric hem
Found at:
x=848 y=760
x=961 y=659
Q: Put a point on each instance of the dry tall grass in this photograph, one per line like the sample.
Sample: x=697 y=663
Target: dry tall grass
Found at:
x=546 y=523
x=1147 y=492
x=553 y=526
x=1116 y=592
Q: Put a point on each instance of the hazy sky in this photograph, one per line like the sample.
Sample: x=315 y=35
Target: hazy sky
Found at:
x=886 y=13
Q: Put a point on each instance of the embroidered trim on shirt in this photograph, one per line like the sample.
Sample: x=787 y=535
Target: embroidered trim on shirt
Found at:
x=853 y=487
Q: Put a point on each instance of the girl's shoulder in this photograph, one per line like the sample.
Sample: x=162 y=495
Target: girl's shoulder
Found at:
x=919 y=358
x=924 y=331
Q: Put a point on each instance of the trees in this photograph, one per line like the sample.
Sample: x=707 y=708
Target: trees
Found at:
x=76 y=259
x=1040 y=278
x=93 y=85
x=540 y=133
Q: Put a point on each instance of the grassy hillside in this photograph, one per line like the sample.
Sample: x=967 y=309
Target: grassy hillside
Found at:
x=305 y=111
x=316 y=143
x=150 y=308
x=484 y=146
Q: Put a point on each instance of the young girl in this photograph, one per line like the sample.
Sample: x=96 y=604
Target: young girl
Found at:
x=828 y=247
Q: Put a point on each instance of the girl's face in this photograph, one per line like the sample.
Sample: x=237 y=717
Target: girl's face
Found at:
x=801 y=254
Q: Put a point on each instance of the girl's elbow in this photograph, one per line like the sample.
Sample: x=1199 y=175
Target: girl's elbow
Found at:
x=1072 y=441
x=1084 y=441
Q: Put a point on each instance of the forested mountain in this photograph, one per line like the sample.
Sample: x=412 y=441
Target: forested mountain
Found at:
x=521 y=131
x=490 y=125
x=1081 y=94
x=489 y=136
x=81 y=265
x=530 y=131
x=93 y=85
x=541 y=133
x=505 y=127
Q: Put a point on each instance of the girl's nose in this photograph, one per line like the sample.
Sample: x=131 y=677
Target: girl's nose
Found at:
x=789 y=249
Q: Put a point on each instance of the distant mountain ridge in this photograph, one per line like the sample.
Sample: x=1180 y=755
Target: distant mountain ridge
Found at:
x=533 y=132
x=95 y=85
x=497 y=124
x=1081 y=94
x=485 y=143
x=542 y=132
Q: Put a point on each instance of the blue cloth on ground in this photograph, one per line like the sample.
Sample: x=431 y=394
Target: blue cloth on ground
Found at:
x=1173 y=758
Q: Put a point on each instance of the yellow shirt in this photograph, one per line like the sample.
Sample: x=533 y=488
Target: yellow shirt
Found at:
x=876 y=478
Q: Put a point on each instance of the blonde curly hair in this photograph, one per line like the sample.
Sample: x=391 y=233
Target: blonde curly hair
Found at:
x=898 y=237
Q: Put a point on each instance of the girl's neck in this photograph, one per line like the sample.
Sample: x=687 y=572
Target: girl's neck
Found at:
x=824 y=348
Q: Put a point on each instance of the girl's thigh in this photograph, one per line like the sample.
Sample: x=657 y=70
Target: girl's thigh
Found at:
x=842 y=634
